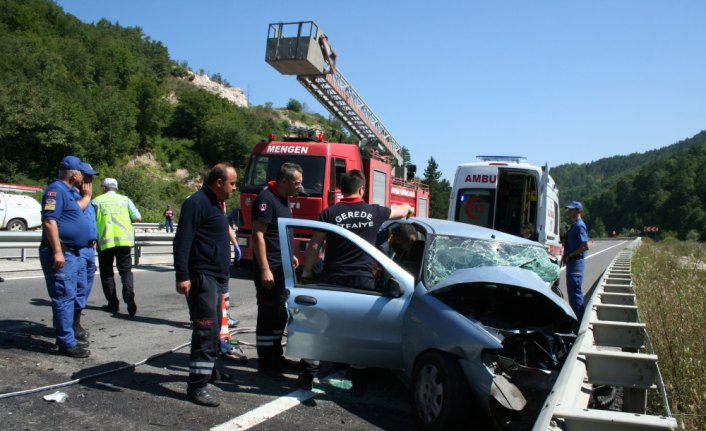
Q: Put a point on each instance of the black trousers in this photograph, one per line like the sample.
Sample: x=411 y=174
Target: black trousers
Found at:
x=205 y=310
x=123 y=259
x=271 y=320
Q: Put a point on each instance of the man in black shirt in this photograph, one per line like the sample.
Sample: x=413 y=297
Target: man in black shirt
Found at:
x=271 y=204
x=201 y=264
x=344 y=262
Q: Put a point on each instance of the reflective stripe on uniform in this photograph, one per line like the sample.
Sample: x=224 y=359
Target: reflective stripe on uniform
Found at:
x=267 y=340
x=205 y=368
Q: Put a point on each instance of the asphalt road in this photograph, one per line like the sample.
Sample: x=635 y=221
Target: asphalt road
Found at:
x=135 y=377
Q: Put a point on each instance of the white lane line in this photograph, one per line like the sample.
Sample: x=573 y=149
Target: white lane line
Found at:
x=23 y=278
x=30 y=277
x=597 y=253
x=265 y=412
x=282 y=404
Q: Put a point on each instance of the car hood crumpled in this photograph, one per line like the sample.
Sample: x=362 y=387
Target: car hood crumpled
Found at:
x=515 y=287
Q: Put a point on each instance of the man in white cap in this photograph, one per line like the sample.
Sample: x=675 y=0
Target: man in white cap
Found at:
x=575 y=247
x=114 y=216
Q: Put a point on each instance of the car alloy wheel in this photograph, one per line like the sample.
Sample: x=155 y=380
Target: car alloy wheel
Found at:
x=441 y=394
x=16 y=226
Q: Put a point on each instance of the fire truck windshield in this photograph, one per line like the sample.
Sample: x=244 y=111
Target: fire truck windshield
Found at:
x=264 y=167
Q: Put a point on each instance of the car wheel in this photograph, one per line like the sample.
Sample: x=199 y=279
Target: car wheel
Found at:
x=441 y=394
x=17 y=225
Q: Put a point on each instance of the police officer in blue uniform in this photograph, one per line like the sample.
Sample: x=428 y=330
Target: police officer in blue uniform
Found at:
x=575 y=248
x=65 y=232
x=87 y=266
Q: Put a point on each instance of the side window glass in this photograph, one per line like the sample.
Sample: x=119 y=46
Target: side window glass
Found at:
x=360 y=272
x=339 y=169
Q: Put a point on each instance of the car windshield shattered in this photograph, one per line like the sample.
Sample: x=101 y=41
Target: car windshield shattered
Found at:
x=448 y=254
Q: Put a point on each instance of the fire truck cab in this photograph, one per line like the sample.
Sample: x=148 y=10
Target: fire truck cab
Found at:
x=322 y=165
x=504 y=193
x=303 y=50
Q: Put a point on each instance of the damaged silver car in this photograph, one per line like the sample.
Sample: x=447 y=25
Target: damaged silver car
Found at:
x=466 y=317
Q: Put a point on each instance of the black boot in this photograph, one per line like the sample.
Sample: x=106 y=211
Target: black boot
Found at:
x=79 y=333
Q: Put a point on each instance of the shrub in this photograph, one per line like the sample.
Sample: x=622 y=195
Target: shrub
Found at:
x=294 y=105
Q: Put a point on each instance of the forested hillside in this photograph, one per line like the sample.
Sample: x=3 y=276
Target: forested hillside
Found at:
x=664 y=188
x=669 y=193
x=109 y=94
x=577 y=181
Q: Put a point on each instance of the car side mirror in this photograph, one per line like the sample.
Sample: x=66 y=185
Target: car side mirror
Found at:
x=393 y=288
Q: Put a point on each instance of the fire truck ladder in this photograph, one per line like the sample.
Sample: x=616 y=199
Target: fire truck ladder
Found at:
x=301 y=49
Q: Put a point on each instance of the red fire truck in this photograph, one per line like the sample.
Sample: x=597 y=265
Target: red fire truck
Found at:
x=301 y=49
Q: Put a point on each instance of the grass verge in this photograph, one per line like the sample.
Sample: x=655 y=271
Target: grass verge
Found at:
x=670 y=283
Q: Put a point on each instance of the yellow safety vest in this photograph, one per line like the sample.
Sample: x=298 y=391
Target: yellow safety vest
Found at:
x=113 y=221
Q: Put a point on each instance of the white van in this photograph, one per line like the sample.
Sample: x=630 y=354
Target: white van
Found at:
x=505 y=192
x=19 y=213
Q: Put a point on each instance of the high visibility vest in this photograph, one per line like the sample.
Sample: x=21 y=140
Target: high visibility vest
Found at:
x=113 y=221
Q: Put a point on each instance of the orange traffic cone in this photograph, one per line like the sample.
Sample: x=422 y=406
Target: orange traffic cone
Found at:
x=225 y=334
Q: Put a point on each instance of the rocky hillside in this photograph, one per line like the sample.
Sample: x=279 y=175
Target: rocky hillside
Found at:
x=234 y=95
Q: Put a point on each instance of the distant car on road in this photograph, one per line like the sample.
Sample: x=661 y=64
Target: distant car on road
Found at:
x=466 y=318
x=19 y=213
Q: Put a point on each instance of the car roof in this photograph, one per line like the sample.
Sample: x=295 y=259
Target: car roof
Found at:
x=454 y=228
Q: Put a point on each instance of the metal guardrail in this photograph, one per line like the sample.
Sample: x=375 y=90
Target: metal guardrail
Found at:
x=26 y=241
x=611 y=350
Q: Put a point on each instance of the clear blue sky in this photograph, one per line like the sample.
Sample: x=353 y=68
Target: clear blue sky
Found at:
x=555 y=81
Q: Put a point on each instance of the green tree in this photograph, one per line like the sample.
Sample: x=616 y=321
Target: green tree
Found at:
x=294 y=105
x=439 y=189
x=597 y=229
x=152 y=111
x=406 y=156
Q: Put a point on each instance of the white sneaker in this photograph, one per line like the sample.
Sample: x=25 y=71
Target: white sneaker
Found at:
x=232 y=323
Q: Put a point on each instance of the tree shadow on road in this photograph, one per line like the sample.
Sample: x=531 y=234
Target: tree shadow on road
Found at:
x=27 y=336
x=170 y=379
x=181 y=324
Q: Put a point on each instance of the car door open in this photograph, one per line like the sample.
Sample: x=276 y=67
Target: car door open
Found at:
x=339 y=323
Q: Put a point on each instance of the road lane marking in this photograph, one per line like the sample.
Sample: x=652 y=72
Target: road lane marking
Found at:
x=30 y=277
x=599 y=252
x=265 y=412
x=280 y=405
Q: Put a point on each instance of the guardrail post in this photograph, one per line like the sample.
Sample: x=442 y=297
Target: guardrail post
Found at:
x=24 y=254
x=136 y=254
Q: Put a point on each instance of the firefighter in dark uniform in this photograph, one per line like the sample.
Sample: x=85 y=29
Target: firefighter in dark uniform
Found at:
x=65 y=232
x=271 y=204
x=344 y=262
x=201 y=265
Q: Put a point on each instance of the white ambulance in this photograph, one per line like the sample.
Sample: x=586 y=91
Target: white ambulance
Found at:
x=505 y=193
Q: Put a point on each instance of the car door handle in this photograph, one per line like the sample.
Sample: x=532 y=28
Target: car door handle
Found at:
x=305 y=300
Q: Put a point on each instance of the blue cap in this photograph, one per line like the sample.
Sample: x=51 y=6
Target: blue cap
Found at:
x=71 y=162
x=575 y=205
x=88 y=169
